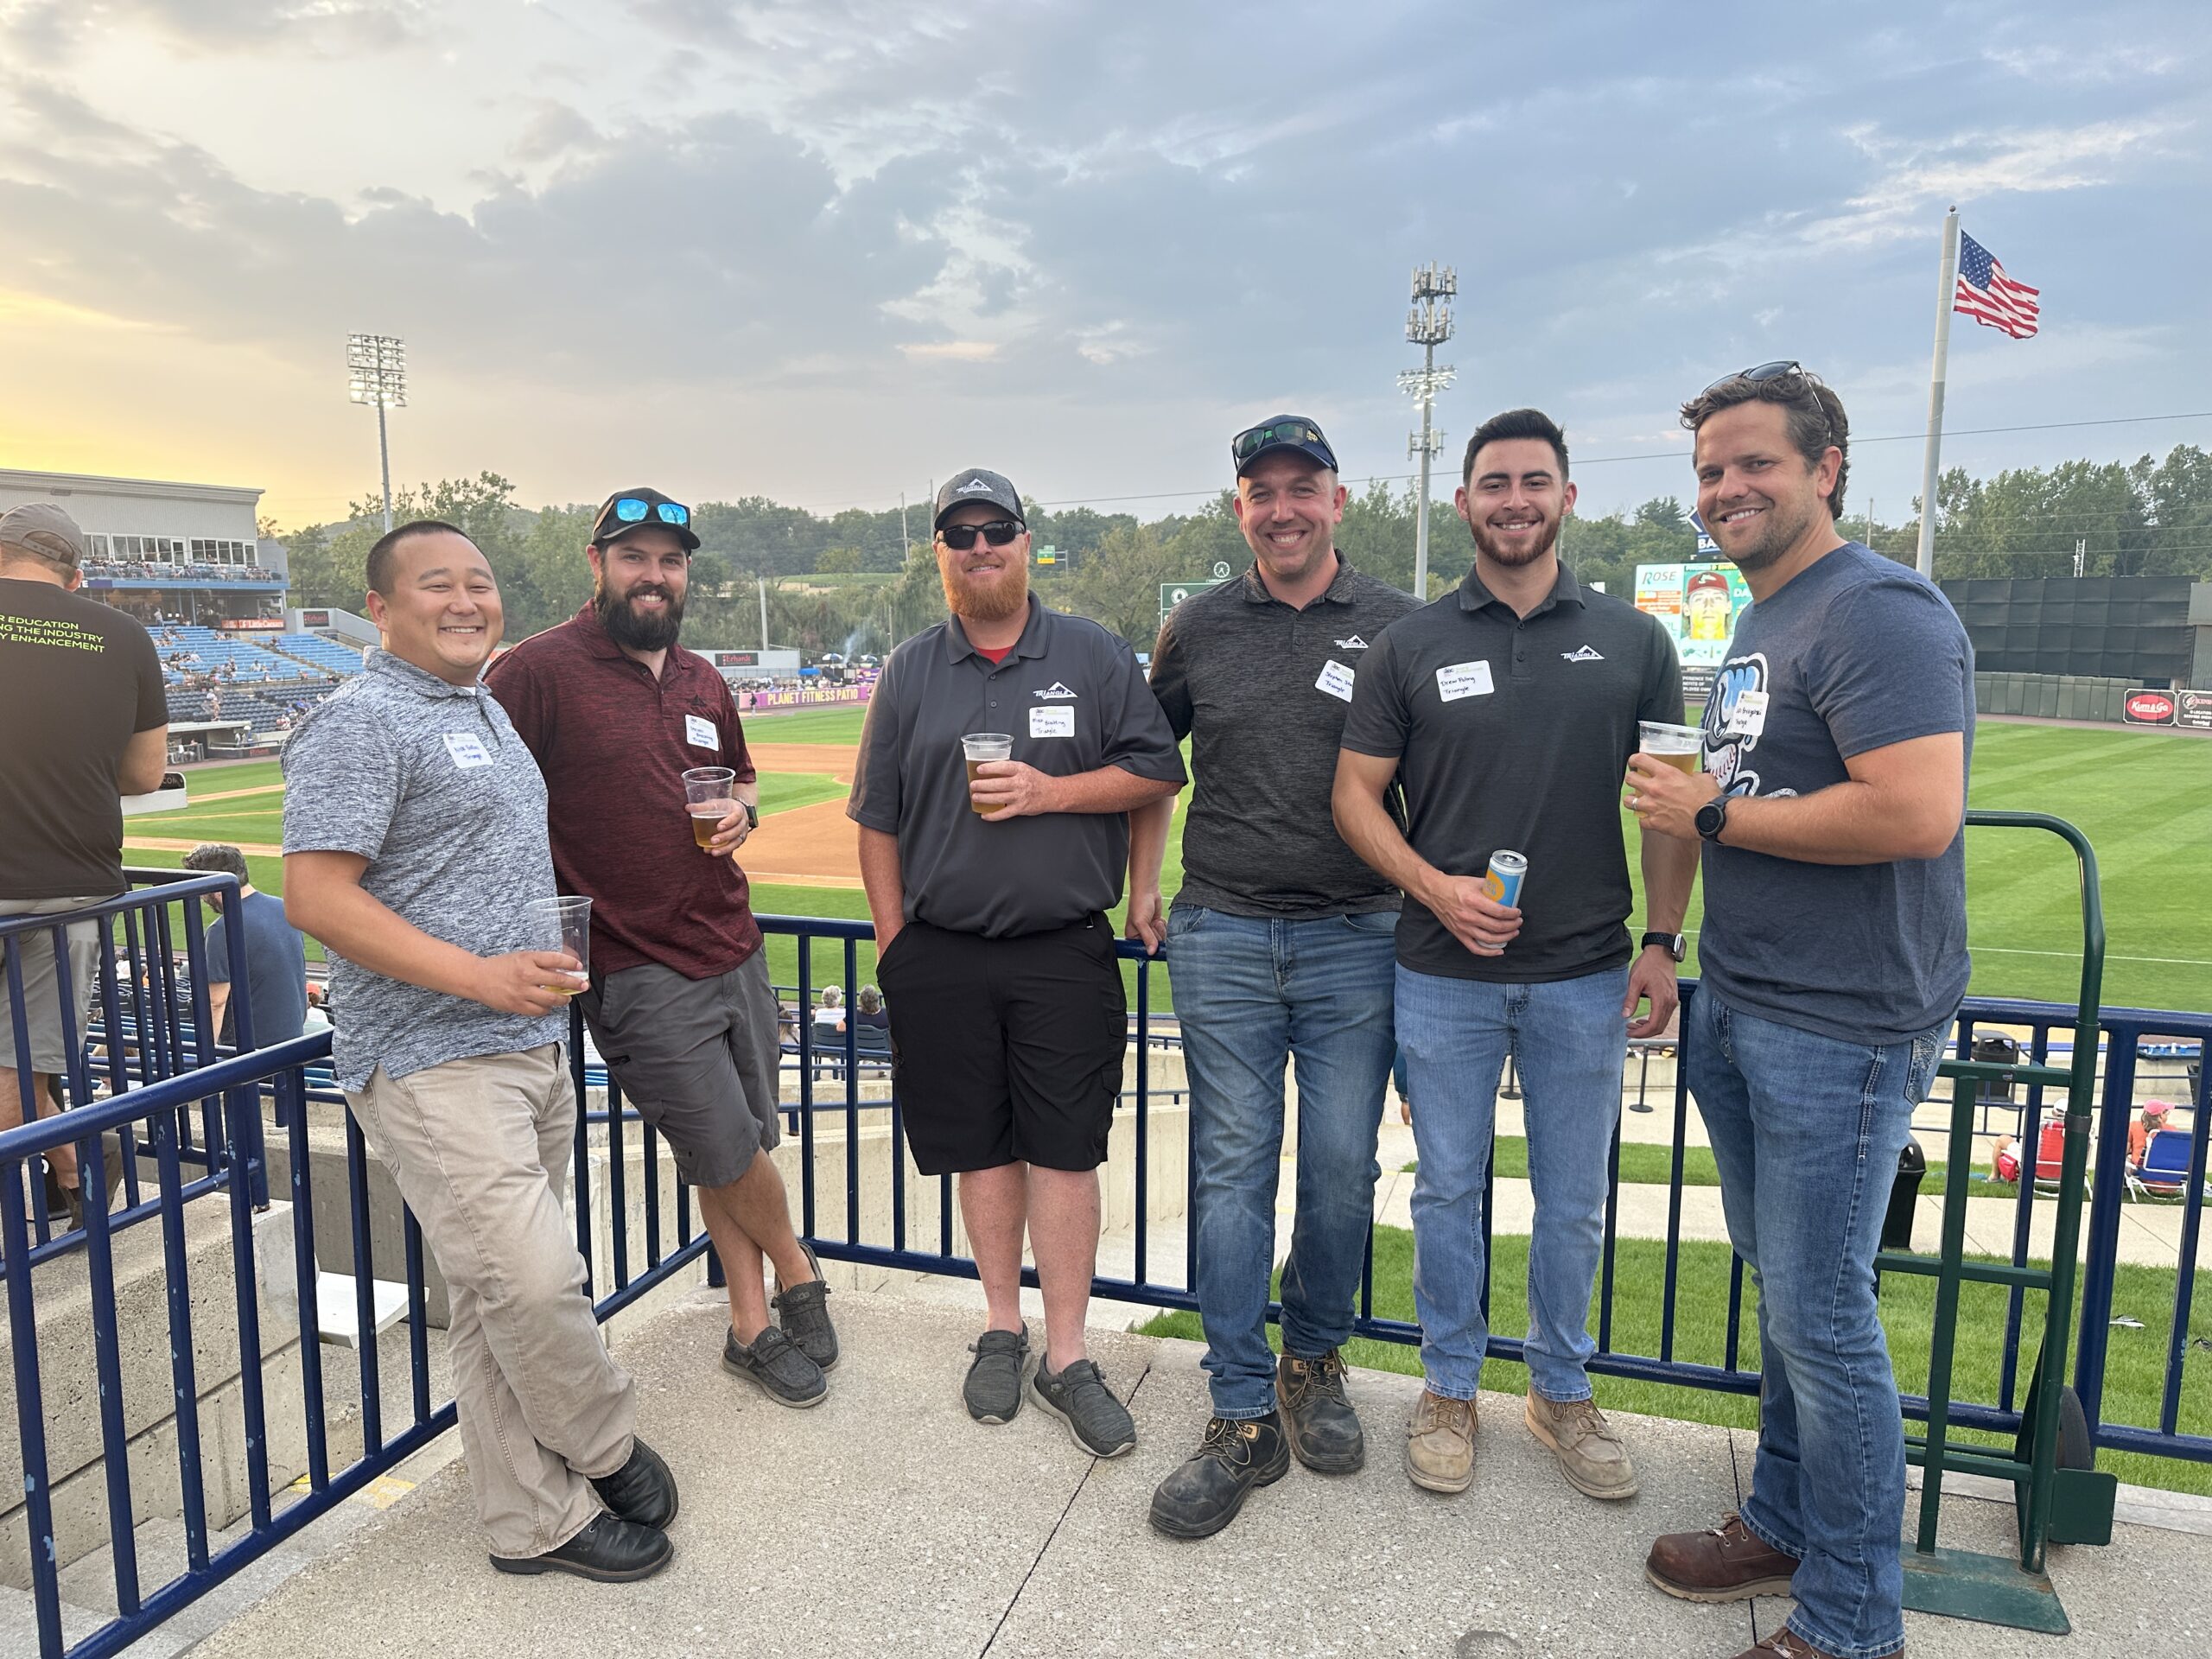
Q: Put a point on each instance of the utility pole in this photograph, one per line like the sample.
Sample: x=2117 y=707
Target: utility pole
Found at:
x=2081 y=555
x=1429 y=324
x=762 y=582
x=905 y=541
x=375 y=369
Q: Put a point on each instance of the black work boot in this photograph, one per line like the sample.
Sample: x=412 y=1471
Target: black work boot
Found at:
x=1324 y=1430
x=1236 y=1458
x=609 y=1549
x=642 y=1490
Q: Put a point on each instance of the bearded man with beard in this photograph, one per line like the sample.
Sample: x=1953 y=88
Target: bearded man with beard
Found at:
x=1508 y=710
x=679 y=1003
x=998 y=964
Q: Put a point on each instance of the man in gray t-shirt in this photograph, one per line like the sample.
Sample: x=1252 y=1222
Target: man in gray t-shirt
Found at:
x=414 y=839
x=1831 y=808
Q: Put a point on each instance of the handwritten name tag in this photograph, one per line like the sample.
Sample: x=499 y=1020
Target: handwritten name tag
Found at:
x=467 y=749
x=1463 y=680
x=1336 y=680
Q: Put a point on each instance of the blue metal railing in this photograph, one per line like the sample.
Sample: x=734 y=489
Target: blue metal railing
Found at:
x=192 y=1127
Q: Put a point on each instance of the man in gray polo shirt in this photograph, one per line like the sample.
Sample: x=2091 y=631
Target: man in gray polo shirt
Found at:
x=414 y=839
x=1280 y=948
x=1008 y=1024
x=1509 y=710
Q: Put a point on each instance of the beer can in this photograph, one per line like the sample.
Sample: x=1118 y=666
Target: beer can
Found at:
x=1503 y=885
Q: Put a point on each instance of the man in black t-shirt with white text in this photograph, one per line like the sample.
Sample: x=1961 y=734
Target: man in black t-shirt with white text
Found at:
x=87 y=724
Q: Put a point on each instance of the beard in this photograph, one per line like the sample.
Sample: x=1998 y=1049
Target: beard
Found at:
x=1780 y=534
x=980 y=602
x=634 y=633
x=1492 y=550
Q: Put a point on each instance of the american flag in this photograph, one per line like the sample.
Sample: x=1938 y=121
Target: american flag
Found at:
x=1988 y=295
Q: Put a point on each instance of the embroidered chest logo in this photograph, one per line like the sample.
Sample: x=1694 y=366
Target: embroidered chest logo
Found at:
x=1583 y=655
x=1353 y=643
x=1055 y=690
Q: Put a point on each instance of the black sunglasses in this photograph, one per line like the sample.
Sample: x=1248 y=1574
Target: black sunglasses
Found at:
x=1781 y=367
x=1248 y=443
x=998 y=533
x=631 y=511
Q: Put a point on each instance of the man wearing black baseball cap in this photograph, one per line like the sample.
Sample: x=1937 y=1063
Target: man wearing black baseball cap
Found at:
x=679 y=1003
x=989 y=881
x=88 y=723
x=1282 y=946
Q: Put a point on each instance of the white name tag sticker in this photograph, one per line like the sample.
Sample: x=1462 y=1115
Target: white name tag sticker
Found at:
x=1052 y=722
x=700 y=732
x=1336 y=680
x=1748 y=718
x=467 y=749
x=1463 y=680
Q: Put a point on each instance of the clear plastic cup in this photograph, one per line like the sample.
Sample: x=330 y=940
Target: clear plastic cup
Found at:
x=981 y=748
x=563 y=924
x=710 y=797
x=1678 y=746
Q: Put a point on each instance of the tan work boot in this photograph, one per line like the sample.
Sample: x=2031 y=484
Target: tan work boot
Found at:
x=1441 y=1444
x=1788 y=1644
x=1594 y=1458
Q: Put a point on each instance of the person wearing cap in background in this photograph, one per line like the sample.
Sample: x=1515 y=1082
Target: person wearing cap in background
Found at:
x=1008 y=1020
x=1281 y=942
x=276 y=966
x=2153 y=1119
x=679 y=1004
x=88 y=723
x=1508 y=710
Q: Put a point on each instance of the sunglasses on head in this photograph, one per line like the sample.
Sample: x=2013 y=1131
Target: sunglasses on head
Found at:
x=631 y=511
x=1248 y=443
x=998 y=533
x=1781 y=367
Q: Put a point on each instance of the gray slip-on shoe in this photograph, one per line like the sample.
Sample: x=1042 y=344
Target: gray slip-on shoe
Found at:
x=993 y=1389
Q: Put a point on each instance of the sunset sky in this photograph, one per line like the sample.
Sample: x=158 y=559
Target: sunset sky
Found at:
x=829 y=252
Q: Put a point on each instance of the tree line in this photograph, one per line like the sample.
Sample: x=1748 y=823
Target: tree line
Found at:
x=860 y=581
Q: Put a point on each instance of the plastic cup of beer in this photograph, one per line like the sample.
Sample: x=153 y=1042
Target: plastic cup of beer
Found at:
x=981 y=748
x=708 y=794
x=1677 y=745
x=563 y=924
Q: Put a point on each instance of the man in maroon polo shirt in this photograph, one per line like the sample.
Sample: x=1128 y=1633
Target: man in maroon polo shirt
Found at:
x=679 y=1005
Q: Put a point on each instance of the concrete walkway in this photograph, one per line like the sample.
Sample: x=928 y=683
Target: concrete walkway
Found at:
x=885 y=1522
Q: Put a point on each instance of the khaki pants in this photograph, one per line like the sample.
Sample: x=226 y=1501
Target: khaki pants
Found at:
x=480 y=1148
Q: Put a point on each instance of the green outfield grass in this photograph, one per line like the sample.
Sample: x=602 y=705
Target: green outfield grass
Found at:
x=806 y=725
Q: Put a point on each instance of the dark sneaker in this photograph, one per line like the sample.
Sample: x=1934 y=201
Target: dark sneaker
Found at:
x=803 y=1313
x=1729 y=1562
x=785 y=1375
x=1235 y=1458
x=642 y=1490
x=1324 y=1429
x=993 y=1389
x=609 y=1549
x=1078 y=1396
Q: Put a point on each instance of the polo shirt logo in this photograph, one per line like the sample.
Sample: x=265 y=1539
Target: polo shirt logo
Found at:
x=1055 y=689
x=1584 y=655
x=1353 y=643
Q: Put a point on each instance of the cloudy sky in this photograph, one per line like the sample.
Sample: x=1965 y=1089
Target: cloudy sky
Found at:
x=827 y=252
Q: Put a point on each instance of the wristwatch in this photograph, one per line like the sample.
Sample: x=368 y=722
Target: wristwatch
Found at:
x=1713 y=817
x=1672 y=943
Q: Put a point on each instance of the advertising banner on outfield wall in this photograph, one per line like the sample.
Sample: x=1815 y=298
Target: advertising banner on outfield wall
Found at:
x=1700 y=604
x=2148 y=706
x=2193 y=710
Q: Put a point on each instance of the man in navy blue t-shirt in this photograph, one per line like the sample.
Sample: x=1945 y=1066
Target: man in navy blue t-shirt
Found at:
x=276 y=956
x=1834 y=958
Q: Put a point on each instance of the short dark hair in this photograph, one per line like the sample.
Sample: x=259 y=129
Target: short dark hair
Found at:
x=1817 y=423
x=1515 y=423
x=388 y=544
x=219 y=858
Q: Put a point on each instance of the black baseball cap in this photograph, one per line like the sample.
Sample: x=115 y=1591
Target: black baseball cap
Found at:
x=1280 y=432
x=641 y=508
x=977 y=484
x=41 y=527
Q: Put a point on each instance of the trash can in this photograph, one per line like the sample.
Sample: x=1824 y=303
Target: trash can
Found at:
x=1996 y=1049
x=1897 y=1225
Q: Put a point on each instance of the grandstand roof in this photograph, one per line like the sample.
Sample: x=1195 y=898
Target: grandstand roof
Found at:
x=61 y=484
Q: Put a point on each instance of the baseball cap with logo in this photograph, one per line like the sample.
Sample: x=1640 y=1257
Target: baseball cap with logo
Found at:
x=45 y=529
x=1292 y=432
x=978 y=485
x=641 y=508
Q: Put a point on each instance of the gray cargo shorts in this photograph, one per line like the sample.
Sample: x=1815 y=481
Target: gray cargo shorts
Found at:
x=698 y=1057
x=42 y=985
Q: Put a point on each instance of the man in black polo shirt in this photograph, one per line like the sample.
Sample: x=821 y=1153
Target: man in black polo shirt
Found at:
x=1509 y=711
x=1008 y=1023
x=1280 y=947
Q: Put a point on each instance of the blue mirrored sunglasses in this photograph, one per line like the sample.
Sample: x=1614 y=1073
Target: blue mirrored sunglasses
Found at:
x=631 y=511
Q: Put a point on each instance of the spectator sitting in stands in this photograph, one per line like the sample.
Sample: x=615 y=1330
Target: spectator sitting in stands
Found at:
x=868 y=1009
x=2153 y=1119
x=276 y=955
x=829 y=1017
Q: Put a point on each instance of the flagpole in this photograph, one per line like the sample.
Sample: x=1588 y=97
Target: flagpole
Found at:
x=1947 y=282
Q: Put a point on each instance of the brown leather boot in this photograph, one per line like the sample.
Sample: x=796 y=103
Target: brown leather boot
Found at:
x=1728 y=1562
x=1788 y=1644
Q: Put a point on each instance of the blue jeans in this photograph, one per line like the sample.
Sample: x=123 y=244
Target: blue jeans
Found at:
x=1572 y=1040
x=1806 y=1131
x=1249 y=991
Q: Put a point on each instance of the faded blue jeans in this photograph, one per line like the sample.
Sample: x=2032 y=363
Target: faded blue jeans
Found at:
x=1807 y=1130
x=1249 y=992
x=1571 y=1039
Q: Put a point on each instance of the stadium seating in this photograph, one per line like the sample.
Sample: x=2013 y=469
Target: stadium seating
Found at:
x=326 y=654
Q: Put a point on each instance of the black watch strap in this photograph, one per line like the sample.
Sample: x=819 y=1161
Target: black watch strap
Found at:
x=1672 y=943
x=1713 y=817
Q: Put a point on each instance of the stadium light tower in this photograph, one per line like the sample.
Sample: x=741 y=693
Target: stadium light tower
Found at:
x=376 y=366
x=1429 y=324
